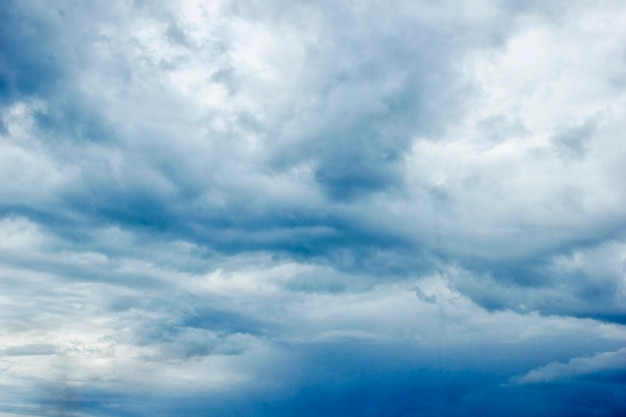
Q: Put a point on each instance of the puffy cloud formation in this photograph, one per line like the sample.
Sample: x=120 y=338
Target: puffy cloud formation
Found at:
x=346 y=208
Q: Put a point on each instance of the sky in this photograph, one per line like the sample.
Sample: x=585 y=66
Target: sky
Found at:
x=350 y=208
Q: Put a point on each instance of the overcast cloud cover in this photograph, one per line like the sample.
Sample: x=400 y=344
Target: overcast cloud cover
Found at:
x=325 y=208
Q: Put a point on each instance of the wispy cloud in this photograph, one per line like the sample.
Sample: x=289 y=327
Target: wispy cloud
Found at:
x=596 y=365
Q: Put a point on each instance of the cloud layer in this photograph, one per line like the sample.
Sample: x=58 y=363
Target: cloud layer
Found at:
x=267 y=208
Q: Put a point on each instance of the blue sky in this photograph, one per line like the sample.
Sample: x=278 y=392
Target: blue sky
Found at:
x=272 y=208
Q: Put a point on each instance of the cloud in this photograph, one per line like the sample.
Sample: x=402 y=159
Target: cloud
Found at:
x=280 y=209
x=586 y=282
x=598 y=364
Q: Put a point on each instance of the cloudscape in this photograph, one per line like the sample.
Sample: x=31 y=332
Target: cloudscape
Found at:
x=319 y=208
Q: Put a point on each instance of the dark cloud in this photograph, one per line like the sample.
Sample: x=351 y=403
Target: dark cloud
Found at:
x=28 y=71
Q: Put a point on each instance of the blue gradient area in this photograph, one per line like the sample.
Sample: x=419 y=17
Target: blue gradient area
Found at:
x=357 y=380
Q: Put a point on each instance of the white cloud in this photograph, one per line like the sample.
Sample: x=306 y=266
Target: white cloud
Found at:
x=576 y=368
